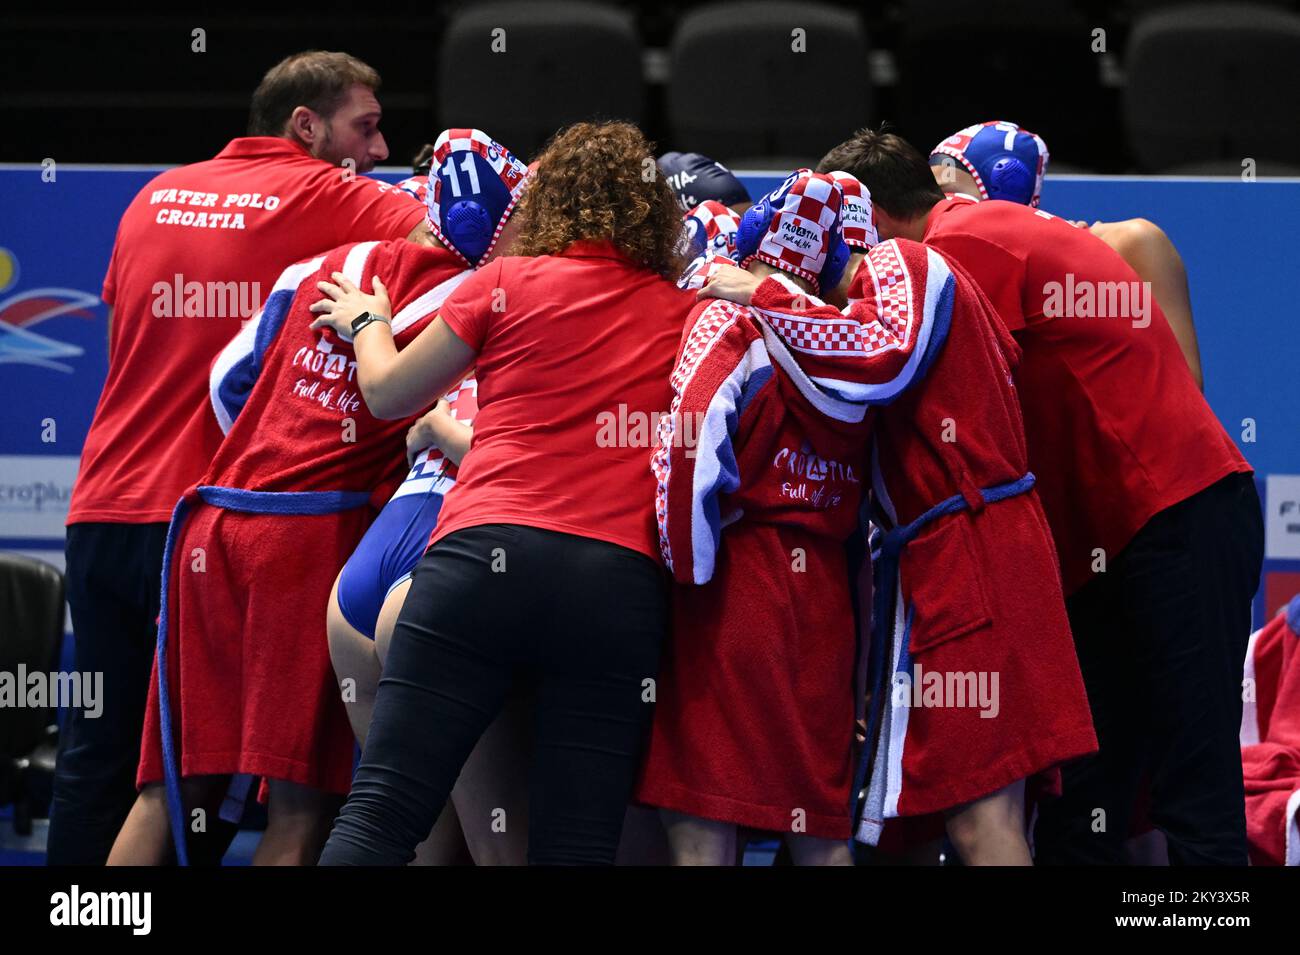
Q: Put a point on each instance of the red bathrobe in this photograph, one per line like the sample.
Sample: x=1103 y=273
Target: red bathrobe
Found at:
x=1270 y=740
x=248 y=669
x=976 y=680
x=760 y=481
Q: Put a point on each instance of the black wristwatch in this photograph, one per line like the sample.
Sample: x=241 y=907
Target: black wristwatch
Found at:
x=364 y=319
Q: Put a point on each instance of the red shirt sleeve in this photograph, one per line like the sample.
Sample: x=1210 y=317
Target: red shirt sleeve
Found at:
x=366 y=209
x=469 y=310
x=999 y=273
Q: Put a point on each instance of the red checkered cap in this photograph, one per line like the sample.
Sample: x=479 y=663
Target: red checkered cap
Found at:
x=858 y=215
x=719 y=224
x=798 y=238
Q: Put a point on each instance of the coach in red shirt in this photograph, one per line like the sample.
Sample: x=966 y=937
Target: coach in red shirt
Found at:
x=196 y=252
x=1154 y=511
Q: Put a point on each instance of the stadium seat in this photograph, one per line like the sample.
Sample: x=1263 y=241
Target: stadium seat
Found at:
x=739 y=88
x=31 y=635
x=1026 y=61
x=545 y=78
x=66 y=101
x=1213 y=81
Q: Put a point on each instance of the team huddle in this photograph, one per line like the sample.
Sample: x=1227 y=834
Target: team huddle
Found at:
x=912 y=554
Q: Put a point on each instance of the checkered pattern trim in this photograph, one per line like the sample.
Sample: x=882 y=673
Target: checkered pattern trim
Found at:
x=709 y=327
x=894 y=301
x=859 y=218
x=895 y=307
x=512 y=173
x=798 y=238
x=955 y=148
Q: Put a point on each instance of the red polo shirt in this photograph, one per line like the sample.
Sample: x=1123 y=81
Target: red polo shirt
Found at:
x=197 y=252
x=574 y=356
x=1116 y=427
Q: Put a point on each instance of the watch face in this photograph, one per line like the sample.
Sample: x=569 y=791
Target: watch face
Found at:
x=361 y=321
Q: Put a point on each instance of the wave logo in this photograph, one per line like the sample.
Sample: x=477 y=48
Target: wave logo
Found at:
x=22 y=312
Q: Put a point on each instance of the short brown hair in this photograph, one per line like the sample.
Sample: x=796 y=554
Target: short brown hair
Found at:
x=600 y=181
x=889 y=166
x=317 y=79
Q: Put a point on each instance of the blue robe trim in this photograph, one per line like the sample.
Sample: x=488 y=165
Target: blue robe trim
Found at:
x=233 y=499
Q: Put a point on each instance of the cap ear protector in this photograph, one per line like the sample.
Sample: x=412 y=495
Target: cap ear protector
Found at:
x=1010 y=179
x=837 y=260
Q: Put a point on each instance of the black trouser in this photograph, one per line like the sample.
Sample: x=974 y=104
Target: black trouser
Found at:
x=1161 y=638
x=114 y=574
x=114 y=580
x=581 y=619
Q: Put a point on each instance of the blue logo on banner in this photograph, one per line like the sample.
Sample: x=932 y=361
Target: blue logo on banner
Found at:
x=22 y=312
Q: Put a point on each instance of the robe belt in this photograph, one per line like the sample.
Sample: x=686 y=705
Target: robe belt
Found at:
x=885 y=560
x=284 y=503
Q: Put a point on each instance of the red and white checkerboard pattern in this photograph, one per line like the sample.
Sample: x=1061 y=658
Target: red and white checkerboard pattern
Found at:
x=859 y=218
x=462 y=406
x=719 y=224
x=815 y=335
x=895 y=309
x=463 y=400
x=894 y=302
x=417 y=187
x=813 y=204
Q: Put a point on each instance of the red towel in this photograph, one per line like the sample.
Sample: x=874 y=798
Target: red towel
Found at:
x=1270 y=740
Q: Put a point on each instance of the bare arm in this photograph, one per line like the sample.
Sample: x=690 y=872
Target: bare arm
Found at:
x=395 y=384
x=421 y=234
x=1145 y=247
x=440 y=430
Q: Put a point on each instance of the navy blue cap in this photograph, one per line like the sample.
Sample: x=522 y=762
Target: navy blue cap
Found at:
x=695 y=178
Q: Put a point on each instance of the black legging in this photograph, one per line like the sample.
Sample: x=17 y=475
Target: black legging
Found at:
x=1161 y=639
x=583 y=618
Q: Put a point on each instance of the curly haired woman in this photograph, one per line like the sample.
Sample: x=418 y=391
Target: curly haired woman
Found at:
x=545 y=562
